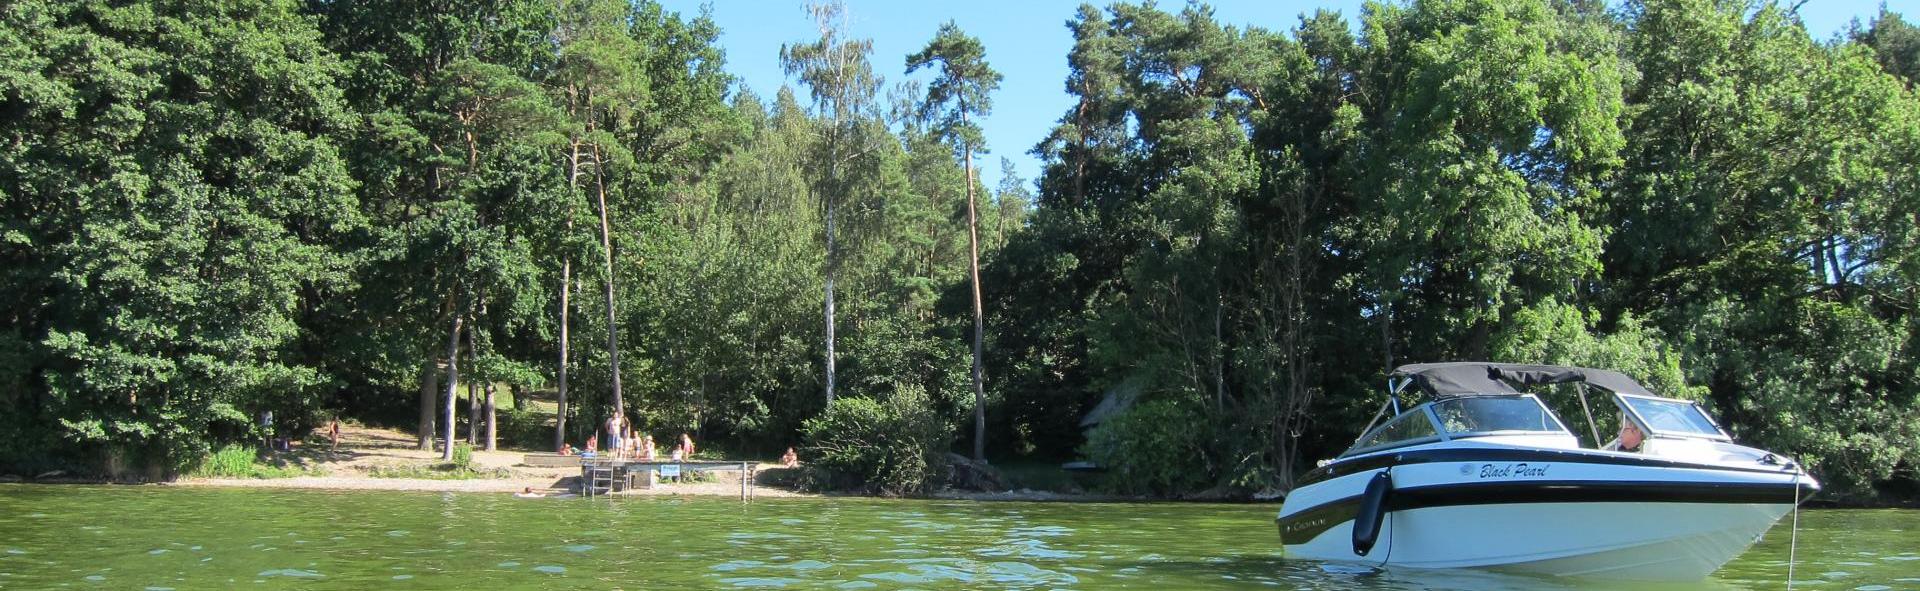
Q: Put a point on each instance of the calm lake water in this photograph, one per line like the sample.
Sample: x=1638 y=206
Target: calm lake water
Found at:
x=79 y=537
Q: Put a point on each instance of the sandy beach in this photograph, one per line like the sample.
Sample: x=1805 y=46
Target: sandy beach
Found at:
x=367 y=451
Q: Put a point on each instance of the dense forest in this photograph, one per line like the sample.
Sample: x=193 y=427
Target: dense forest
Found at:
x=387 y=210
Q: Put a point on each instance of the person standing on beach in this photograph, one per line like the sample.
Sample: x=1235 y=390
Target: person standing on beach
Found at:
x=686 y=443
x=333 y=435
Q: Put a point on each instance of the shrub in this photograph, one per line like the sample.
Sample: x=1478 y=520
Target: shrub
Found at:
x=232 y=461
x=463 y=456
x=895 y=447
x=241 y=461
x=525 y=429
x=1157 y=447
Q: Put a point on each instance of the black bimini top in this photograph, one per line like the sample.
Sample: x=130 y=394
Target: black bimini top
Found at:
x=1442 y=380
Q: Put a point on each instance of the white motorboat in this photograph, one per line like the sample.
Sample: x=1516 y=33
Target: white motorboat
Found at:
x=1485 y=475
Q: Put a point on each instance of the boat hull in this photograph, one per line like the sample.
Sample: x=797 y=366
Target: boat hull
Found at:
x=1611 y=517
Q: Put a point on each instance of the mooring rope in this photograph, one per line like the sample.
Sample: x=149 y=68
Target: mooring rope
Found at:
x=1389 y=516
x=1793 y=539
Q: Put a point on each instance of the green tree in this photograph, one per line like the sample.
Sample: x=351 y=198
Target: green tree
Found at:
x=1895 y=43
x=962 y=90
x=1756 y=217
x=841 y=80
x=174 y=208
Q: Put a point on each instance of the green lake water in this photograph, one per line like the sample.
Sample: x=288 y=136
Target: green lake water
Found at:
x=120 y=537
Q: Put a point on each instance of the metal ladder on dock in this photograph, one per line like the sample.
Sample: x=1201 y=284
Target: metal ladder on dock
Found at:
x=599 y=478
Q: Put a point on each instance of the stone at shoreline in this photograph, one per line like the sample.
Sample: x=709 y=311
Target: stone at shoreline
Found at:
x=966 y=474
x=9 y=478
x=50 y=474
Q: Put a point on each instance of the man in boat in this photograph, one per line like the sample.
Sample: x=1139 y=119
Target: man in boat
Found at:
x=1630 y=436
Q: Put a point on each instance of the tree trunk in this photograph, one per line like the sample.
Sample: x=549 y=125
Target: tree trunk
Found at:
x=566 y=309
x=473 y=408
x=493 y=425
x=1386 y=334
x=560 y=415
x=832 y=268
x=1219 y=345
x=429 y=388
x=1080 y=155
x=453 y=383
x=474 y=389
x=979 y=317
x=606 y=246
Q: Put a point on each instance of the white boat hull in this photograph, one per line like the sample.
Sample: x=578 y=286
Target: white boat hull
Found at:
x=1652 y=541
x=1618 y=517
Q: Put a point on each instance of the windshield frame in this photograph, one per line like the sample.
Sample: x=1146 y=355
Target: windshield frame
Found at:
x=1720 y=433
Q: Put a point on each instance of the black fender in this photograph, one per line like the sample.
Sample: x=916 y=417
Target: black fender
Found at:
x=1373 y=513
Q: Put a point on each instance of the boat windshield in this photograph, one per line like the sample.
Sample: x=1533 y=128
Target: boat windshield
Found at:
x=1677 y=417
x=1481 y=414
x=1407 y=429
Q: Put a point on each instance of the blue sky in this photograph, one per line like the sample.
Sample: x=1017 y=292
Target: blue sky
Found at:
x=1027 y=41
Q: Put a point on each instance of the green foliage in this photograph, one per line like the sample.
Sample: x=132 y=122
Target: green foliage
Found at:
x=1158 y=447
x=174 y=207
x=242 y=461
x=211 y=210
x=462 y=456
x=1558 y=334
x=1693 y=192
x=895 y=446
x=1895 y=43
x=231 y=461
x=525 y=429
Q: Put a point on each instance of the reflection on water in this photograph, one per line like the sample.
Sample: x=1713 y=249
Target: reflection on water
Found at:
x=170 y=538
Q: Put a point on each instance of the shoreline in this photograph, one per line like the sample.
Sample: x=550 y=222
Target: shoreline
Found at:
x=720 y=489
x=476 y=485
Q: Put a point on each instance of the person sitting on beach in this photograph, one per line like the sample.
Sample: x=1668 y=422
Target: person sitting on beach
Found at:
x=679 y=453
x=790 y=459
x=647 y=448
x=593 y=442
x=686 y=443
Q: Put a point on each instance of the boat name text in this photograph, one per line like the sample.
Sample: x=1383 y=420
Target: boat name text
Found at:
x=1520 y=470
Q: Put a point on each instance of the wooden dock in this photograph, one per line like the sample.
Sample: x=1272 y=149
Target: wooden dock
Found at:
x=600 y=475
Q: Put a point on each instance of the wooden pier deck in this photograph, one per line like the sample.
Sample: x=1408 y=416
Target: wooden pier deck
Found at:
x=601 y=475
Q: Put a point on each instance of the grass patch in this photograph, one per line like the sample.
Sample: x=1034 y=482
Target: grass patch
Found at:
x=444 y=471
x=240 y=461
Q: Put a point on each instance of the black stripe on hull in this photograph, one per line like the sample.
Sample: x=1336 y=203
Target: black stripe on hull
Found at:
x=1501 y=454
x=1304 y=526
